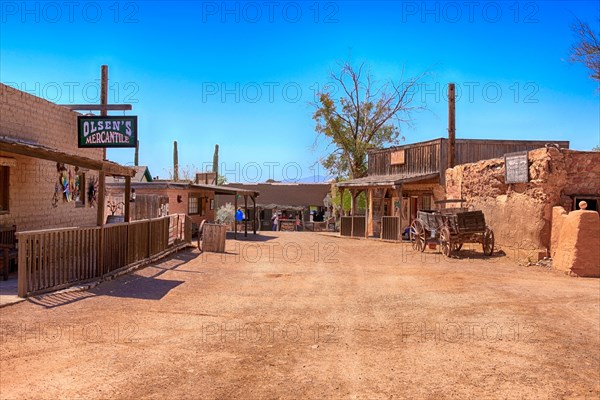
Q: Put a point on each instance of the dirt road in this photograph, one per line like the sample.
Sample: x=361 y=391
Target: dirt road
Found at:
x=301 y=315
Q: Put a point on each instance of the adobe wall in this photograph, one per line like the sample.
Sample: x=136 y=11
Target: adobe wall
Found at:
x=521 y=214
x=576 y=242
x=33 y=181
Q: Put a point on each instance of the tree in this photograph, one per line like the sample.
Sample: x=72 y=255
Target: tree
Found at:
x=366 y=116
x=587 y=48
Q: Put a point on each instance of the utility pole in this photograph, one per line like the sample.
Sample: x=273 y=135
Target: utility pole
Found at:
x=451 y=125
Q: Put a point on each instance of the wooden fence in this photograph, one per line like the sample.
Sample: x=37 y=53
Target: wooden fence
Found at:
x=58 y=258
x=353 y=226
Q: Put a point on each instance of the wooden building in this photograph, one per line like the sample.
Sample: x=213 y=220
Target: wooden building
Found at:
x=403 y=179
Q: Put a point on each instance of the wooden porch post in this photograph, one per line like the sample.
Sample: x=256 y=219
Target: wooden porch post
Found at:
x=235 y=207
x=399 y=190
x=246 y=215
x=254 y=218
x=352 y=212
x=101 y=203
x=127 y=198
x=369 y=214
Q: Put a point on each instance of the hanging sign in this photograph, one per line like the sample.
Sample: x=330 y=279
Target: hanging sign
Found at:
x=113 y=131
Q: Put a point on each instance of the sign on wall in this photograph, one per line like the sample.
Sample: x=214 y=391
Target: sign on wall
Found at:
x=397 y=157
x=113 y=131
x=516 y=167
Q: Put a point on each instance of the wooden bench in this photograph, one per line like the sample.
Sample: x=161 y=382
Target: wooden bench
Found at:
x=8 y=248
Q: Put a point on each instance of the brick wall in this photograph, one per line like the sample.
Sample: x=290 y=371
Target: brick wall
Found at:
x=32 y=181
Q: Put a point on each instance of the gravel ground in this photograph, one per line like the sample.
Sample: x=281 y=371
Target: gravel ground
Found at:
x=302 y=315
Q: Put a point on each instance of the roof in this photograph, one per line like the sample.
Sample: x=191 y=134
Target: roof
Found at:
x=22 y=147
x=288 y=195
x=386 y=180
x=222 y=190
x=141 y=172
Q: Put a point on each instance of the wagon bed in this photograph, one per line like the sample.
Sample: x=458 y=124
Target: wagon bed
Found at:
x=451 y=228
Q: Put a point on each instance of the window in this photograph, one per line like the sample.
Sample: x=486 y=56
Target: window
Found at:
x=197 y=205
x=192 y=205
x=4 y=186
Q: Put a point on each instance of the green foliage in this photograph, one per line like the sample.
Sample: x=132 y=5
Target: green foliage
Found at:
x=596 y=148
x=365 y=117
x=225 y=214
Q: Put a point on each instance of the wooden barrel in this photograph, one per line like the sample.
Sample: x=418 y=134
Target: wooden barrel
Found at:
x=213 y=238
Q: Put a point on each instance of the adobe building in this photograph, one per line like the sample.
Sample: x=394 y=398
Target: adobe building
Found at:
x=404 y=179
x=46 y=181
x=521 y=213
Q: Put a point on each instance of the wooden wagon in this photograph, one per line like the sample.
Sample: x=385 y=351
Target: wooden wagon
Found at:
x=451 y=229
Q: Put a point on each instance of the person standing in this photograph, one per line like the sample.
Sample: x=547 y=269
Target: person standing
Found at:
x=239 y=217
x=275 y=220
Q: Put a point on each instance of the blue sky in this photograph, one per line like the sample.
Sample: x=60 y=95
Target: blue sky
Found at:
x=242 y=74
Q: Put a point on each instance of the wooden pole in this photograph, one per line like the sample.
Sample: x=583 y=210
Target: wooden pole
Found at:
x=104 y=96
x=101 y=203
x=127 y=198
x=136 y=159
x=451 y=125
x=235 y=207
x=369 y=214
x=400 y=212
x=254 y=214
x=245 y=215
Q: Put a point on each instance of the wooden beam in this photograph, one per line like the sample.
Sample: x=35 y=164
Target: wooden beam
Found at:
x=254 y=214
x=246 y=215
x=451 y=125
x=98 y=107
x=127 y=198
x=235 y=207
x=101 y=202
x=369 y=214
x=104 y=97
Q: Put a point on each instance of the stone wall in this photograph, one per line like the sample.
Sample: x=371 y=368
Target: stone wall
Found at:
x=33 y=181
x=521 y=214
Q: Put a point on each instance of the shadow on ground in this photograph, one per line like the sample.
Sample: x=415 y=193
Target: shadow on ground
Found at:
x=127 y=286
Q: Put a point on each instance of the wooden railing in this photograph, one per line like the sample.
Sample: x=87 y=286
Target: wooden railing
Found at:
x=390 y=228
x=58 y=258
x=353 y=226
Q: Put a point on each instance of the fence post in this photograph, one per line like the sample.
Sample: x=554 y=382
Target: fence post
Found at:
x=101 y=251
x=22 y=268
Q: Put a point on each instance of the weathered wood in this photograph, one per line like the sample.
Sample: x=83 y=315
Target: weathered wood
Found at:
x=56 y=258
x=98 y=107
x=451 y=125
x=213 y=238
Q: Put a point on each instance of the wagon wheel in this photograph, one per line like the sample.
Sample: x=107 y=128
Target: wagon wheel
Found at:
x=446 y=242
x=200 y=232
x=488 y=241
x=417 y=235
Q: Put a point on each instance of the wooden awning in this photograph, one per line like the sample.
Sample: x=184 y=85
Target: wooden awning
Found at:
x=17 y=146
x=390 y=181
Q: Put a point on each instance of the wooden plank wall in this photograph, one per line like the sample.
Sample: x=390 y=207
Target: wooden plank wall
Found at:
x=419 y=159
